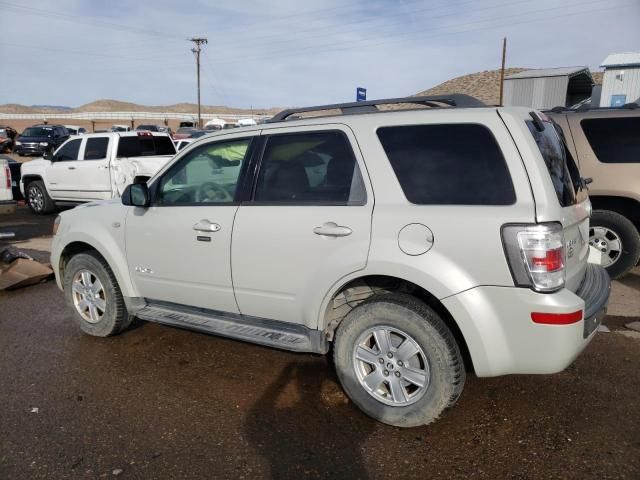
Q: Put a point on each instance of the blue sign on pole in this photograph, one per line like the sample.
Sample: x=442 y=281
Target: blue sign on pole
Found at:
x=361 y=94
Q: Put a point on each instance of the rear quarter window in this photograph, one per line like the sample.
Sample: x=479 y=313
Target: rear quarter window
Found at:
x=560 y=164
x=448 y=164
x=614 y=140
x=143 y=146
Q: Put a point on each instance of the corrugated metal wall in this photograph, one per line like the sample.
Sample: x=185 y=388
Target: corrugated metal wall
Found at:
x=629 y=85
x=543 y=92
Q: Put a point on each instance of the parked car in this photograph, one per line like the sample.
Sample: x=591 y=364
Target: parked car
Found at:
x=75 y=130
x=7 y=203
x=120 y=128
x=606 y=144
x=7 y=137
x=199 y=133
x=180 y=144
x=477 y=248
x=39 y=139
x=14 y=167
x=183 y=132
x=187 y=124
x=93 y=167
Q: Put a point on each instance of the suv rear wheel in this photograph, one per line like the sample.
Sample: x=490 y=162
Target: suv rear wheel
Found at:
x=617 y=239
x=398 y=361
x=92 y=291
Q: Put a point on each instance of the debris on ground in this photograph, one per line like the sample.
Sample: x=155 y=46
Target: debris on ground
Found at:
x=603 y=329
x=633 y=326
x=17 y=269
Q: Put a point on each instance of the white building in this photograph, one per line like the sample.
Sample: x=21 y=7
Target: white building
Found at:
x=548 y=87
x=621 y=83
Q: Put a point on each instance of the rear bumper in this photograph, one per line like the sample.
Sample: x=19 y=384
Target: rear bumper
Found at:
x=503 y=339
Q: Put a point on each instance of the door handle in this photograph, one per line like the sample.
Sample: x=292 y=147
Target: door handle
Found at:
x=205 y=225
x=71 y=168
x=332 y=229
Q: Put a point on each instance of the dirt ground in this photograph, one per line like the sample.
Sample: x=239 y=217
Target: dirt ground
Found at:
x=160 y=402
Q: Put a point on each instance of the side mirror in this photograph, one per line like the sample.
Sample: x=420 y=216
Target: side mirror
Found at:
x=48 y=156
x=136 y=195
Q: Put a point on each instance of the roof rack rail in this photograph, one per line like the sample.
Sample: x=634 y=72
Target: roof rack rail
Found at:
x=370 y=106
x=587 y=108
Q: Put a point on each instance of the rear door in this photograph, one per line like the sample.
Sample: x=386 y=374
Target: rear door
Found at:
x=92 y=169
x=307 y=226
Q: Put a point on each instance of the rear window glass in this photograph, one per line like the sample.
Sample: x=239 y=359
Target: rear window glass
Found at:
x=455 y=164
x=144 y=146
x=560 y=164
x=614 y=140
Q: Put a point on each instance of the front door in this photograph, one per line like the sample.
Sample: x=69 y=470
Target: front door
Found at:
x=179 y=249
x=307 y=227
x=62 y=174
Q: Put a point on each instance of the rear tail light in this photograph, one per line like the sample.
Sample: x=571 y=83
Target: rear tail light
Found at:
x=536 y=255
x=7 y=174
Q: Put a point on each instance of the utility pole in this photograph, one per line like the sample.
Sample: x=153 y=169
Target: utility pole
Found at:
x=198 y=41
x=504 y=57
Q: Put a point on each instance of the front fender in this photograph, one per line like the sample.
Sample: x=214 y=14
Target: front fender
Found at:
x=103 y=231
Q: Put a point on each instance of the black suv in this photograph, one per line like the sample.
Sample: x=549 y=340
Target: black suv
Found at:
x=39 y=139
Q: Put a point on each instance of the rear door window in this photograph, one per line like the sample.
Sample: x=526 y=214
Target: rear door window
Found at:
x=316 y=168
x=96 y=148
x=560 y=164
x=449 y=164
x=614 y=140
x=145 y=145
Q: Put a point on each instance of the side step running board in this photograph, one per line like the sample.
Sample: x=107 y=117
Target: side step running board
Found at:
x=272 y=333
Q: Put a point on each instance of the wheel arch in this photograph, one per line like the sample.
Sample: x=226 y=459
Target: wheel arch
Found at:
x=625 y=206
x=354 y=291
x=83 y=245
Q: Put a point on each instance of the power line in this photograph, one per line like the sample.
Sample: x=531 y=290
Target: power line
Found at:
x=325 y=48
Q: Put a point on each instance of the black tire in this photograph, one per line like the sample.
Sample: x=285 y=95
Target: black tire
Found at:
x=628 y=235
x=38 y=199
x=115 y=317
x=411 y=316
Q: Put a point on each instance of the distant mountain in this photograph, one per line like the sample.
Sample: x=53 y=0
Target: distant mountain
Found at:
x=61 y=108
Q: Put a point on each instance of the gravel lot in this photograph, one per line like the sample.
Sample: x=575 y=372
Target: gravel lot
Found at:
x=159 y=402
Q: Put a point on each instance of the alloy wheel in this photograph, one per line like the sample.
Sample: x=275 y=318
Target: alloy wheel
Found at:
x=89 y=296
x=391 y=366
x=608 y=243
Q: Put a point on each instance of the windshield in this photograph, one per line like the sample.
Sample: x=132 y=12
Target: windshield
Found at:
x=38 y=132
x=560 y=164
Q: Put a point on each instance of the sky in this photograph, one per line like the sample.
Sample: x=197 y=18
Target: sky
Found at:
x=276 y=53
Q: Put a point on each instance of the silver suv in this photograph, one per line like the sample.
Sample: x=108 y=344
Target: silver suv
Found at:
x=416 y=244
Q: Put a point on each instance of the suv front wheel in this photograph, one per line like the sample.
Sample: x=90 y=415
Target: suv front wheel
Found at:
x=398 y=361
x=617 y=240
x=92 y=291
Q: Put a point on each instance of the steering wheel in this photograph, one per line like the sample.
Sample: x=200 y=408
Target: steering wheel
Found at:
x=212 y=192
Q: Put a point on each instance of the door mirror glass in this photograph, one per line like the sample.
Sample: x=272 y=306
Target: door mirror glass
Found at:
x=136 y=195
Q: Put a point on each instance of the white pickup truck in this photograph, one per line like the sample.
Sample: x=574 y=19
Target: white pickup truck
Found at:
x=93 y=167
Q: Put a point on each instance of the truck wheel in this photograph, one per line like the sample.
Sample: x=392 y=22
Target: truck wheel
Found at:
x=617 y=239
x=38 y=199
x=93 y=293
x=398 y=361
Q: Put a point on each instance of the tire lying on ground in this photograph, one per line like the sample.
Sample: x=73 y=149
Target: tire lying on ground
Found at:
x=617 y=239
x=398 y=361
x=91 y=289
